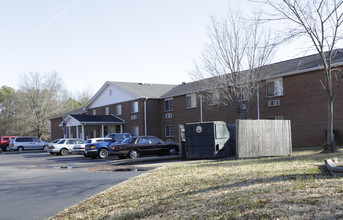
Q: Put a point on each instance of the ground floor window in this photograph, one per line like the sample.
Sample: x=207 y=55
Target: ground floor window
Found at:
x=135 y=131
x=169 y=131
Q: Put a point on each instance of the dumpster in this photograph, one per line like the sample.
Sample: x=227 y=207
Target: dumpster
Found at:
x=206 y=140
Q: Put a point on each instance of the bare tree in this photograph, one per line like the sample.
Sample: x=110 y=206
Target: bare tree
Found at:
x=320 y=21
x=40 y=98
x=229 y=68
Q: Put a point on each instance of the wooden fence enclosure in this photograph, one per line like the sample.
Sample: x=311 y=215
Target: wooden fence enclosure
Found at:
x=262 y=138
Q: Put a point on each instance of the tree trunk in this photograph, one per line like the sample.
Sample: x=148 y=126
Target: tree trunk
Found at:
x=330 y=145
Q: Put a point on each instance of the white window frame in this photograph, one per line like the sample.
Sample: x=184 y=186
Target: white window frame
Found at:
x=94 y=112
x=169 y=104
x=277 y=86
x=169 y=131
x=134 y=107
x=107 y=110
x=117 y=110
x=191 y=101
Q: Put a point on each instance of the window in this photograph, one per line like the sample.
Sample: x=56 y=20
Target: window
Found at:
x=135 y=131
x=133 y=117
x=213 y=98
x=280 y=117
x=134 y=107
x=274 y=88
x=169 y=131
x=241 y=93
x=155 y=140
x=117 y=110
x=191 y=101
x=107 y=110
x=168 y=104
x=94 y=112
x=143 y=141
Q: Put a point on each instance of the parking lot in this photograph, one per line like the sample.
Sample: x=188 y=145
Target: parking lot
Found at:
x=37 y=185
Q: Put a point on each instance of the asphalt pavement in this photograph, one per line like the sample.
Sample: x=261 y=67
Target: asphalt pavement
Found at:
x=36 y=185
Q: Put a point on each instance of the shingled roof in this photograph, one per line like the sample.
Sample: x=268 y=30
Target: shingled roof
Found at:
x=88 y=119
x=145 y=90
x=284 y=68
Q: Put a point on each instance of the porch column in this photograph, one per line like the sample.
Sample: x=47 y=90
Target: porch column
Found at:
x=102 y=131
x=83 y=131
x=69 y=132
x=121 y=128
x=77 y=131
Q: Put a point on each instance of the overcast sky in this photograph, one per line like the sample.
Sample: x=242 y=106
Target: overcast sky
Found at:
x=89 y=42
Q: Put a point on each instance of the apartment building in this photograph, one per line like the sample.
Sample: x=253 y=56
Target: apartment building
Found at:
x=292 y=90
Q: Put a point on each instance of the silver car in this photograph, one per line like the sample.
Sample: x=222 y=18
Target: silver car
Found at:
x=65 y=146
x=26 y=143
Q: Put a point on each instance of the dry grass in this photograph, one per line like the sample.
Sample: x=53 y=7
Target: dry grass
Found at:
x=295 y=187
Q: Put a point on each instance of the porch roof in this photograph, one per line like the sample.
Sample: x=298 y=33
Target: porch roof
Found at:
x=76 y=120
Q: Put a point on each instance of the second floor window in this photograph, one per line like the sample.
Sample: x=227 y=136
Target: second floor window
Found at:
x=107 y=110
x=274 y=88
x=134 y=107
x=117 y=110
x=212 y=98
x=191 y=101
x=168 y=104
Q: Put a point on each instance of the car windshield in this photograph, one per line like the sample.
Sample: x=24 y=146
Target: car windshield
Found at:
x=110 y=136
x=126 y=141
x=61 y=141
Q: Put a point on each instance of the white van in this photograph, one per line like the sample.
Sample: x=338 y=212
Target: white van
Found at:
x=26 y=143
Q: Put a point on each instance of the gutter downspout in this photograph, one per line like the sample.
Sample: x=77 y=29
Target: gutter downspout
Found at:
x=258 y=102
x=201 y=114
x=145 y=118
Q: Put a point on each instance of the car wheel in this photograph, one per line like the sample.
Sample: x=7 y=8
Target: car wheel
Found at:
x=20 y=149
x=134 y=154
x=7 y=148
x=45 y=148
x=64 y=152
x=103 y=153
x=172 y=151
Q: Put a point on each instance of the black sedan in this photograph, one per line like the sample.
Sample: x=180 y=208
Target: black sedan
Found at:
x=143 y=145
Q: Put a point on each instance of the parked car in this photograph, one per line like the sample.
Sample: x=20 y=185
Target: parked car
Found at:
x=80 y=149
x=26 y=143
x=143 y=145
x=100 y=149
x=46 y=147
x=4 y=142
x=65 y=146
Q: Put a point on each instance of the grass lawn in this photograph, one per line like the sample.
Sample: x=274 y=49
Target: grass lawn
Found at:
x=296 y=187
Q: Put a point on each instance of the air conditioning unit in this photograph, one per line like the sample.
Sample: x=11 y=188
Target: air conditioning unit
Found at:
x=169 y=115
x=133 y=117
x=273 y=103
x=243 y=106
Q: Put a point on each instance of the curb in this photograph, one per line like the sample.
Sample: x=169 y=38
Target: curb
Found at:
x=145 y=160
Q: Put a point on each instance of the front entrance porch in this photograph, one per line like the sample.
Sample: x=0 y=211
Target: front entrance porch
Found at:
x=91 y=126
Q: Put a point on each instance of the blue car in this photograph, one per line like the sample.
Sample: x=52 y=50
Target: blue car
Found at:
x=100 y=149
